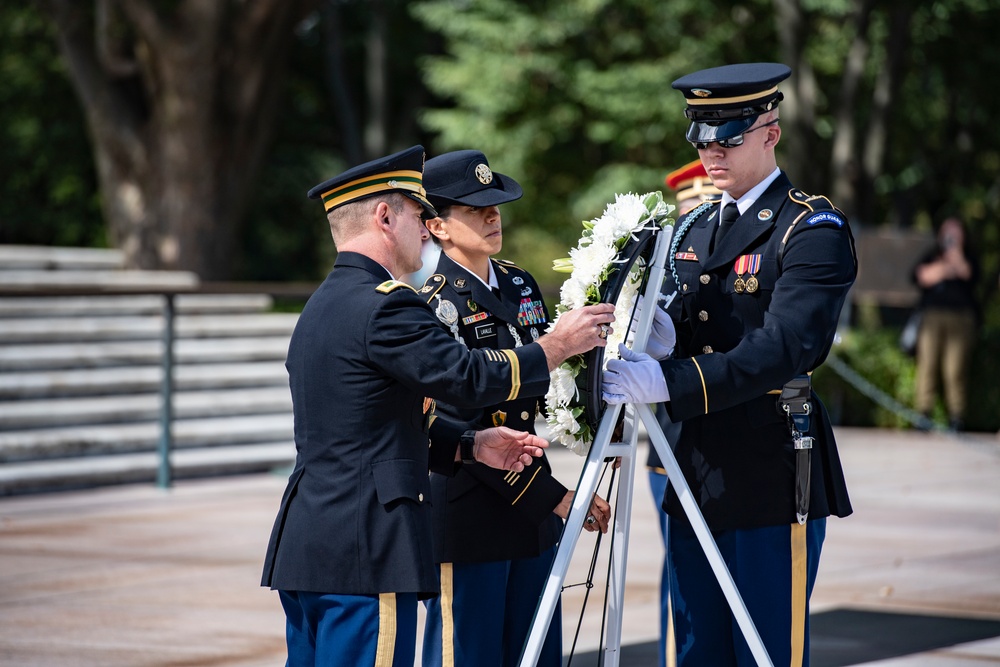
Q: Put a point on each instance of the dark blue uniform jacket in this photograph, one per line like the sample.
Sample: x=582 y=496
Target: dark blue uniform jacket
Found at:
x=733 y=348
x=366 y=356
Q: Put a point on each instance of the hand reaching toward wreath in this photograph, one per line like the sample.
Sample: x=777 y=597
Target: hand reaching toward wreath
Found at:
x=662 y=336
x=635 y=378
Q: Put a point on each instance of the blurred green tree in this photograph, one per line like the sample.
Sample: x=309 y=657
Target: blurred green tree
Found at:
x=887 y=110
x=48 y=191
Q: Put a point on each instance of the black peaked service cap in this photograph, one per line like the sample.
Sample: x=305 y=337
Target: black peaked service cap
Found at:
x=464 y=177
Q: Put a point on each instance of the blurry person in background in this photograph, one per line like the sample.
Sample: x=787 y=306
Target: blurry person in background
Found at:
x=946 y=276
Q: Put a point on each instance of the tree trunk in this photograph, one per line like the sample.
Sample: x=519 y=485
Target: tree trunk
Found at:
x=180 y=131
x=798 y=111
x=845 y=167
x=886 y=89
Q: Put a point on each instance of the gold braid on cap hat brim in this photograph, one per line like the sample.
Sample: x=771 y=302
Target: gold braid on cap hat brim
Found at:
x=404 y=179
x=717 y=101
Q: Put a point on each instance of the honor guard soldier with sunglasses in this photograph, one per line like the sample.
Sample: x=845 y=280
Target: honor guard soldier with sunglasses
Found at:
x=350 y=552
x=761 y=276
x=495 y=533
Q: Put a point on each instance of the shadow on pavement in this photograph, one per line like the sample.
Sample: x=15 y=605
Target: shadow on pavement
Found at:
x=842 y=637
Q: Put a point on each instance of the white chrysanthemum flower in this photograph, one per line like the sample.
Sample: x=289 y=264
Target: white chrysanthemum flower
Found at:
x=573 y=293
x=562 y=386
x=590 y=262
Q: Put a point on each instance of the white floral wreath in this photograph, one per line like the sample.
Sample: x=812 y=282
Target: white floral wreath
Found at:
x=589 y=265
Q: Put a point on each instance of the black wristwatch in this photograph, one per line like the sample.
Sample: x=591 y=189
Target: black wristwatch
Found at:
x=466 y=446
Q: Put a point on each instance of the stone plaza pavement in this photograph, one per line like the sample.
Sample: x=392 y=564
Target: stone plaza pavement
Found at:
x=134 y=576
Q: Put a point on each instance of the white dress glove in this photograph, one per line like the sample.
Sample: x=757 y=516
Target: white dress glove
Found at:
x=635 y=378
x=662 y=336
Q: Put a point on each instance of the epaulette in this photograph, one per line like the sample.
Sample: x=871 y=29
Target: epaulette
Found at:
x=819 y=209
x=432 y=286
x=812 y=202
x=507 y=263
x=391 y=286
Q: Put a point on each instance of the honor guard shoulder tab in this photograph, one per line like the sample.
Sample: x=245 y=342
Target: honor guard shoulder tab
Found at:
x=819 y=210
x=432 y=286
x=391 y=286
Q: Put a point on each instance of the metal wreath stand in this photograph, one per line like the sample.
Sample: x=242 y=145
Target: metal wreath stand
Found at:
x=602 y=448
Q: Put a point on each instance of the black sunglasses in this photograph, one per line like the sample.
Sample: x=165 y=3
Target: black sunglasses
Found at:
x=731 y=142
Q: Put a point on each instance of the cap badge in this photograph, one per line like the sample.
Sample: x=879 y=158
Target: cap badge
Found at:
x=700 y=92
x=765 y=214
x=484 y=174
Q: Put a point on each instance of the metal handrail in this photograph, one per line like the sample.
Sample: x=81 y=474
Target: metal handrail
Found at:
x=295 y=290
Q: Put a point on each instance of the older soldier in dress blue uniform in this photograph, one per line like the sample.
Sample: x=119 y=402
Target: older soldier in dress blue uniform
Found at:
x=350 y=552
x=494 y=532
x=761 y=277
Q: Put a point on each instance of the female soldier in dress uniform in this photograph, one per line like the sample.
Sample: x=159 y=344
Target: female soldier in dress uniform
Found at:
x=495 y=533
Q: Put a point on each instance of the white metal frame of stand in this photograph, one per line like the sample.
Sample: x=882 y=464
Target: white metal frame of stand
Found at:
x=603 y=448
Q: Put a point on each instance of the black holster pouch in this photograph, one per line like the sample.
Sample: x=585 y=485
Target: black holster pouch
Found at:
x=794 y=402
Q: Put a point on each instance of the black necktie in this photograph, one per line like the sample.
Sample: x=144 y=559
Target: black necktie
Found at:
x=496 y=293
x=729 y=215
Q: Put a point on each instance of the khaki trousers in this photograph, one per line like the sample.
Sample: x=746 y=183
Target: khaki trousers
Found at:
x=944 y=351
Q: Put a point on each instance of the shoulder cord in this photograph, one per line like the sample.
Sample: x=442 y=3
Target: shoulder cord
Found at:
x=679 y=232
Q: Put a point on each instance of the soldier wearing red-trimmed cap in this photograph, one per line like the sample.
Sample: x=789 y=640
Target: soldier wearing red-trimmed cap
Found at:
x=350 y=551
x=760 y=275
x=691 y=185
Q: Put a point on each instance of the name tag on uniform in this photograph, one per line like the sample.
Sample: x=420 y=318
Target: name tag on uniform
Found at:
x=485 y=331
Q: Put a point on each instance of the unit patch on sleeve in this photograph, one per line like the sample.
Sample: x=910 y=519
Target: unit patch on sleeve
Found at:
x=825 y=216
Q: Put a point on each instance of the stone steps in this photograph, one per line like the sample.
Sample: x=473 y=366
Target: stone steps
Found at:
x=103 y=329
x=73 y=441
x=54 y=356
x=20 y=306
x=134 y=379
x=81 y=373
x=82 y=472
x=51 y=412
